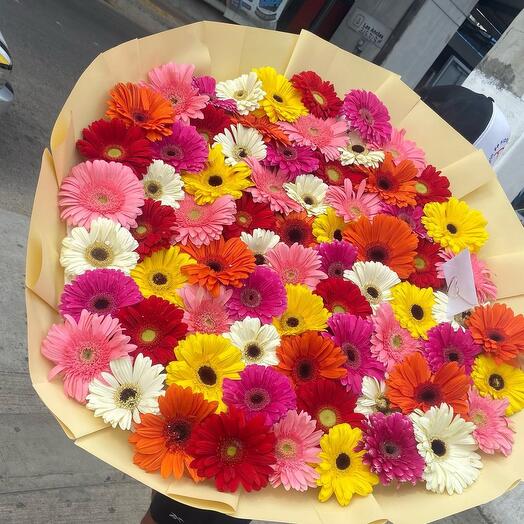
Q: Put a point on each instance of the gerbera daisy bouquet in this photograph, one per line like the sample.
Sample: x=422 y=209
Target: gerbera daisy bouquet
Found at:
x=268 y=287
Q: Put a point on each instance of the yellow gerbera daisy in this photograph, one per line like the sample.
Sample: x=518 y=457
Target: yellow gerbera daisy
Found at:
x=453 y=224
x=217 y=178
x=160 y=275
x=341 y=469
x=328 y=227
x=203 y=362
x=305 y=312
x=412 y=306
x=499 y=381
x=282 y=100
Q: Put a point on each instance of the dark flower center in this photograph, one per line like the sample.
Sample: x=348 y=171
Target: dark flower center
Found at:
x=372 y=292
x=292 y=322
x=101 y=303
x=214 y=265
x=417 y=312
x=207 y=375
x=159 y=279
x=305 y=370
x=215 y=180
x=438 y=447
x=257 y=399
x=357 y=148
x=352 y=354
x=278 y=98
x=253 y=351
x=496 y=336
x=390 y=449
x=452 y=228
x=127 y=394
x=377 y=253
x=152 y=188
x=289 y=153
x=139 y=117
x=242 y=153
x=308 y=200
x=295 y=234
x=173 y=151
x=384 y=183
x=100 y=254
x=496 y=381
x=428 y=394
x=453 y=354
x=343 y=461
x=260 y=259
x=251 y=297
x=337 y=234
x=336 y=269
x=178 y=432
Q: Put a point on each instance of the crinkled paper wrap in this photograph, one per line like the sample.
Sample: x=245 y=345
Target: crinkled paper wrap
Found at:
x=226 y=51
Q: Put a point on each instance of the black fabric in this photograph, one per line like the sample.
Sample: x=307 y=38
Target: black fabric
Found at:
x=466 y=111
x=167 y=511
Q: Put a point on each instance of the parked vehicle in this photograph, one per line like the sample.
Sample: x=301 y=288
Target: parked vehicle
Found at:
x=6 y=65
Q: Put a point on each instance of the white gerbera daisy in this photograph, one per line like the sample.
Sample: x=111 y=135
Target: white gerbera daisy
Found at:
x=309 y=191
x=129 y=390
x=373 y=397
x=163 y=183
x=440 y=311
x=356 y=152
x=446 y=443
x=239 y=143
x=246 y=91
x=260 y=242
x=105 y=245
x=258 y=342
x=375 y=281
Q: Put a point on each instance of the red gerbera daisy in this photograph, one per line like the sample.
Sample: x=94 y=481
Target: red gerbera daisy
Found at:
x=155 y=326
x=233 y=451
x=154 y=229
x=295 y=227
x=343 y=296
x=318 y=95
x=264 y=126
x=425 y=274
x=248 y=217
x=113 y=141
x=332 y=172
x=215 y=121
x=328 y=402
x=431 y=186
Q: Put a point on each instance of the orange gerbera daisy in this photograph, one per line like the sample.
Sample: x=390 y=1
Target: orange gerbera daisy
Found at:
x=160 y=440
x=387 y=239
x=222 y=262
x=411 y=385
x=395 y=184
x=143 y=107
x=498 y=330
x=309 y=356
x=264 y=126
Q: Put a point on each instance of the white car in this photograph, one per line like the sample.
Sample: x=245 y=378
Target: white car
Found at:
x=6 y=65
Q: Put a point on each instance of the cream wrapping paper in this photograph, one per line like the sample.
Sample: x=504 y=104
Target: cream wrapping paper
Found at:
x=226 y=51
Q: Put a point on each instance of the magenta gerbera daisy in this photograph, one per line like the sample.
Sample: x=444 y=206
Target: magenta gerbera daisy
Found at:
x=206 y=85
x=296 y=264
x=316 y=133
x=185 y=149
x=352 y=334
x=296 y=449
x=200 y=224
x=402 y=149
x=445 y=345
x=175 y=82
x=367 y=115
x=410 y=215
x=100 y=189
x=262 y=296
x=261 y=390
x=391 y=448
x=351 y=204
x=336 y=257
x=390 y=343
x=291 y=159
x=101 y=291
x=82 y=350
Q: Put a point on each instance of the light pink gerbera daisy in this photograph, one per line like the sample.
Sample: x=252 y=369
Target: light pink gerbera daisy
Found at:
x=296 y=264
x=390 y=343
x=82 y=351
x=204 y=313
x=101 y=189
x=493 y=429
x=200 y=224
x=269 y=188
x=296 y=449
x=484 y=285
x=403 y=149
x=175 y=82
x=313 y=132
x=367 y=115
x=350 y=204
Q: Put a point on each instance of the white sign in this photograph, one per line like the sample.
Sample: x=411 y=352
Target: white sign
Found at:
x=370 y=28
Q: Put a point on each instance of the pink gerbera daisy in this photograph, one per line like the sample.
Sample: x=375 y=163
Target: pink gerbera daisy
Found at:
x=296 y=264
x=493 y=431
x=101 y=291
x=175 y=82
x=316 y=133
x=269 y=189
x=410 y=215
x=336 y=257
x=296 y=449
x=200 y=224
x=100 y=189
x=484 y=285
x=262 y=296
x=185 y=149
x=206 y=85
x=390 y=343
x=350 y=204
x=291 y=159
x=445 y=345
x=260 y=391
x=82 y=350
x=204 y=313
x=391 y=448
x=352 y=334
x=367 y=115
x=403 y=149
